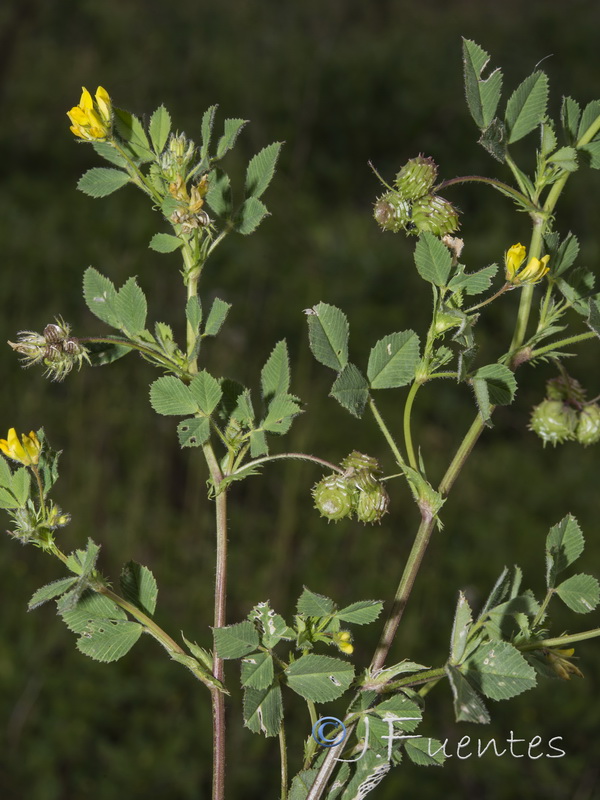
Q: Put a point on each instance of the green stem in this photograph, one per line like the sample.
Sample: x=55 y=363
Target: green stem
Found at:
x=559 y=641
x=218 y=699
x=40 y=486
x=138 y=177
x=419 y=547
x=300 y=456
x=145 y=349
x=284 y=762
x=581 y=337
x=312 y=744
x=483 y=303
x=407 y=432
x=388 y=436
x=505 y=188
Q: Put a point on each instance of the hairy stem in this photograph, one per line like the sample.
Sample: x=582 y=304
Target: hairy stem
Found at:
x=407 y=432
x=388 y=436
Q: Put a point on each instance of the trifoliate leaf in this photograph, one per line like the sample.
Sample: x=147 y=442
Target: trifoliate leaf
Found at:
x=570 y=114
x=131 y=130
x=101 y=353
x=282 y=410
x=249 y=216
x=275 y=375
x=499 y=671
x=131 y=308
x=258 y=444
x=473 y=282
x=319 y=678
x=193 y=432
x=433 y=259
x=261 y=169
x=263 y=710
x=483 y=95
x=328 y=334
x=500 y=381
x=50 y=591
x=160 y=128
x=231 y=130
x=564 y=545
x=393 y=360
x=361 y=613
x=463 y=619
x=218 y=197
x=580 y=592
x=108 y=640
x=139 y=587
x=468 y=704
x=171 y=397
x=102 y=181
x=165 y=243
x=206 y=392
x=101 y=296
x=21 y=485
x=590 y=114
x=425 y=752
x=351 y=390
x=109 y=153
x=208 y=119
x=312 y=604
x=257 y=670
x=91 y=606
x=526 y=106
x=216 y=317
x=235 y=641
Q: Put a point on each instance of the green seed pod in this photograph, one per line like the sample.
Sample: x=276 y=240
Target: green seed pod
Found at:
x=392 y=213
x=416 y=177
x=554 y=422
x=565 y=388
x=588 y=427
x=334 y=497
x=357 y=461
x=372 y=504
x=435 y=215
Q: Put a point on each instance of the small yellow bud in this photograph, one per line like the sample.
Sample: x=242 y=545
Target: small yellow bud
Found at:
x=559 y=661
x=26 y=451
x=513 y=259
x=346 y=647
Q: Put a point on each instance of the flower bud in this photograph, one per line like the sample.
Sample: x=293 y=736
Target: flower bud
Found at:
x=588 y=426
x=416 y=178
x=333 y=497
x=433 y=214
x=554 y=422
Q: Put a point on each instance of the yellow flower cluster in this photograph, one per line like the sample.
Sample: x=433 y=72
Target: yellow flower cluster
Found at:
x=92 y=118
x=26 y=451
x=533 y=272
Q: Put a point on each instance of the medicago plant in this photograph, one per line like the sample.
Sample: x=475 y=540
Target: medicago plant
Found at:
x=494 y=653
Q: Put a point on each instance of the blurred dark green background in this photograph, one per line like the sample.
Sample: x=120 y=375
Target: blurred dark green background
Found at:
x=341 y=83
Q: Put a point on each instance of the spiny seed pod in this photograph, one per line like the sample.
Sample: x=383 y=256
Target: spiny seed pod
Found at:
x=416 y=177
x=588 y=427
x=357 y=461
x=392 y=213
x=334 y=497
x=372 y=504
x=435 y=215
x=565 y=388
x=553 y=421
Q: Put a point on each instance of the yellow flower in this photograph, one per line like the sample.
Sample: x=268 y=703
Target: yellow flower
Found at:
x=343 y=640
x=92 y=119
x=533 y=272
x=26 y=451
